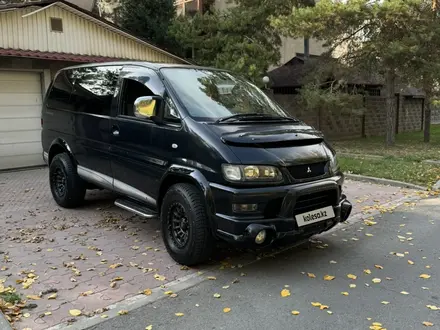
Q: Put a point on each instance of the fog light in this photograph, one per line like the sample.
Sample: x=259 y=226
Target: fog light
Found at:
x=244 y=207
x=261 y=237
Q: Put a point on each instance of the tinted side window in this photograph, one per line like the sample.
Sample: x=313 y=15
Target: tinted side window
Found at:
x=131 y=91
x=93 y=88
x=59 y=95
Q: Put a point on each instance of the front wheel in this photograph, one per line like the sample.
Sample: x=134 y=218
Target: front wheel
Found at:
x=185 y=227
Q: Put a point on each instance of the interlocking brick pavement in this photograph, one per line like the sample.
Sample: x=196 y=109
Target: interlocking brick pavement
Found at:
x=96 y=255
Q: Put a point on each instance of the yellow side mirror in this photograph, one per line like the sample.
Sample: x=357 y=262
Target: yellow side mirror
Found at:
x=145 y=107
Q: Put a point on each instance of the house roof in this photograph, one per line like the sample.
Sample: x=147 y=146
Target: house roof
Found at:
x=295 y=72
x=86 y=14
x=88 y=5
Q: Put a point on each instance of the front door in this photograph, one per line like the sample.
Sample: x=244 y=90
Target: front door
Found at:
x=140 y=157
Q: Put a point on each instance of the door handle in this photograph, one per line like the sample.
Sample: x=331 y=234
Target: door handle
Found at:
x=115 y=131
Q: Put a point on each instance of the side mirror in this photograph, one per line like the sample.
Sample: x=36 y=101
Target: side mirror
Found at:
x=146 y=106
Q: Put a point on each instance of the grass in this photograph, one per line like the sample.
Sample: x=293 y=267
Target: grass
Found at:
x=10 y=297
x=402 y=162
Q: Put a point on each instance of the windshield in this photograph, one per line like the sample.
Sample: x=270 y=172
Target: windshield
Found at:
x=209 y=95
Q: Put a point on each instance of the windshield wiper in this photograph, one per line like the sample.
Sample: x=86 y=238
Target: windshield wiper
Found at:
x=253 y=116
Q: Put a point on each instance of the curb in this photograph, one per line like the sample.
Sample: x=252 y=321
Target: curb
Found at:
x=4 y=323
x=394 y=183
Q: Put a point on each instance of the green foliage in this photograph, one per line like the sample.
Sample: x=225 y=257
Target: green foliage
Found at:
x=148 y=19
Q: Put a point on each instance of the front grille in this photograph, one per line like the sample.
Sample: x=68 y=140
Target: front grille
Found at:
x=308 y=171
x=310 y=202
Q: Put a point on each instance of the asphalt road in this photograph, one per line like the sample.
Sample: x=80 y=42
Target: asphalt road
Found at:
x=256 y=302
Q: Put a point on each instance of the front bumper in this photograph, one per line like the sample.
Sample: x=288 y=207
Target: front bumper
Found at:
x=277 y=207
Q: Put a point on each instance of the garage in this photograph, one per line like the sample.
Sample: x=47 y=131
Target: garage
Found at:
x=20 y=127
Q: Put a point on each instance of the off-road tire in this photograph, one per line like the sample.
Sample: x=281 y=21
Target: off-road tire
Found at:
x=200 y=242
x=75 y=188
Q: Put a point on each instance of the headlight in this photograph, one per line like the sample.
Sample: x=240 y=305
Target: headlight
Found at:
x=251 y=173
x=334 y=166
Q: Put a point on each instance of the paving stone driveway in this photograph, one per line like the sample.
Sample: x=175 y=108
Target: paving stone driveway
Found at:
x=97 y=255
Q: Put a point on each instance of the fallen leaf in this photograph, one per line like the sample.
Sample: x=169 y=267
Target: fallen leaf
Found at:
x=226 y=287
x=333 y=262
x=147 y=292
x=378 y=266
x=351 y=276
x=369 y=235
x=179 y=314
x=316 y=304
x=47 y=313
x=114 y=266
x=401 y=255
x=404 y=292
x=425 y=288
x=216 y=295
x=226 y=310
x=112 y=284
x=367 y=271
x=26 y=315
x=52 y=296
x=119 y=278
x=385 y=302
x=345 y=293
x=135 y=247
x=329 y=312
x=352 y=286
x=295 y=313
x=285 y=293
x=168 y=293
x=211 y=278
x=329 y=277
x=411 y=262
x=33 y=297
x=311 y=275
x=433 y=308
x=104 y=316
x=376 y=280
x=425 y=276
x=87 y=293
x=322 y=307
x=159 y=277
x=427 y=324
x=75 y=312
x=123 y=312
x=149 y=327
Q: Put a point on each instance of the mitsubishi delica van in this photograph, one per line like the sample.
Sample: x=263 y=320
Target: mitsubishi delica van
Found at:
x=203 y=150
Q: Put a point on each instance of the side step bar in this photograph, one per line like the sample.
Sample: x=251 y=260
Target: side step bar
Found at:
x=137 y=208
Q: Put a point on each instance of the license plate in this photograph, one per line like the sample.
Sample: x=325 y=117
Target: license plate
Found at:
x=314 y=216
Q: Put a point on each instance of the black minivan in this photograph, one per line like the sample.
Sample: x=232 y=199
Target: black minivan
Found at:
x=204 y=150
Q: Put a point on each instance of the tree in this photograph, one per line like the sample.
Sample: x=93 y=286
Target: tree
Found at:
x=149 y=19
x=373 y=36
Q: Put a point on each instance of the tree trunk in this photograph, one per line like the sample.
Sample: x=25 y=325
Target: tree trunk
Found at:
x=427 y=119
x=390 y=110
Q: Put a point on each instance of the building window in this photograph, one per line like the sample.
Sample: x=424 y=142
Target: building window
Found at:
x=56 y=24
x=373 y=91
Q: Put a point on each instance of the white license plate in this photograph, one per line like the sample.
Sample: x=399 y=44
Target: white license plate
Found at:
x=314 y=216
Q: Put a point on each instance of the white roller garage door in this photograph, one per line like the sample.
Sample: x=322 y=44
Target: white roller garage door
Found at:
x=20 y=126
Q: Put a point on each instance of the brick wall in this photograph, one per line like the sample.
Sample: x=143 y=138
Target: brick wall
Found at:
x=347 y=126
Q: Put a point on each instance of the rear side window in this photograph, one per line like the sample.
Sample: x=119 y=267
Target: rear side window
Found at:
x=94 y=88
x=59 y=95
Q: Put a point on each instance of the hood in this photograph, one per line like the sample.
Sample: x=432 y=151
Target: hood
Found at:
x=280 y=144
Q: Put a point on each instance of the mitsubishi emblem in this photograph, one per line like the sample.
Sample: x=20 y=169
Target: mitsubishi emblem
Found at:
x=309 y=170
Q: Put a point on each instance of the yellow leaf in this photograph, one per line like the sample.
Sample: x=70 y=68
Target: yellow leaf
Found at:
x=322 y=307
x=159 y=277
x=376 y=324
x=123 y=312
x=404 y=292
x=385 y=302
x=179 y=314
x=112 y=284
x=147 y=292
x=295 y=313
x=33 y=297
x=328 y=277
x=75 y=312
x=369 y=235
x=135 y=247
x=115 y=266
x=168 y=293
x=216 y=295
x=226 y=310
x=104 y=316
x=48 y=313
x=376 y=280
x=367 y=271
x=427 y=324
x=329 y=312
x=117 y=279
x=285 y=293
x=378 y=266
x=311 y=275
x=400 y=255
x=211 y=278
x=352 y=286
x=351 y=276
x=26 y=315
x=87 y=293
x=411 y=262
x=344 y=293
x=52 y=296
x=316 y=304
x=149 y=327
x=425 y=276
x=433 y=308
